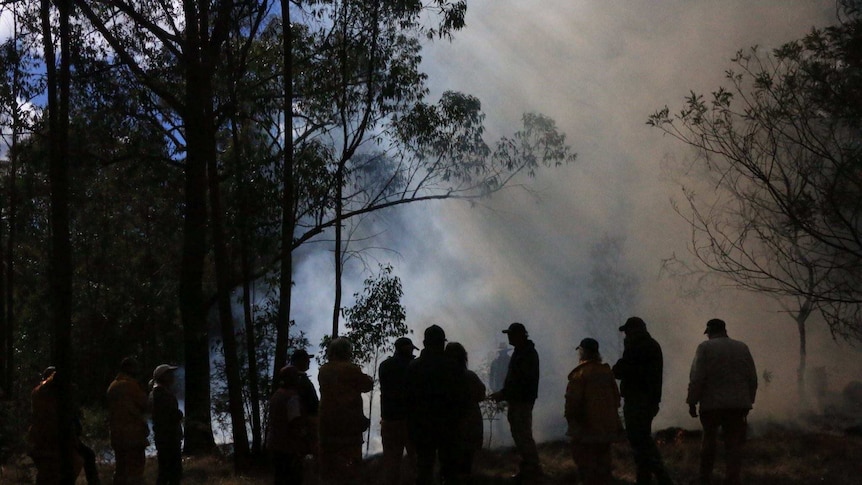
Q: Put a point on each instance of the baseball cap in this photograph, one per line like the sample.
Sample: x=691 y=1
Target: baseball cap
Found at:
x=589 y=344
x=516 y=328
x=405 y=342
x=300 y=354
x=163 y=369
x=633 y=323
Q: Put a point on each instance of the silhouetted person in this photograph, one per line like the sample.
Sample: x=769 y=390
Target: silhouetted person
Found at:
x=289 y=436
x=393 y=410
x=127 y=419
x=45 y=437
x=520 y=390
x=640 y=375
x=342 y=420
x=167 y=425
x=592 y=403
x=470 y=429
x=437 y=394
x=301 y=360
x=724 y=382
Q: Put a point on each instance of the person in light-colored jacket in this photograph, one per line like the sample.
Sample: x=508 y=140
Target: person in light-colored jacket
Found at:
x=723 y=383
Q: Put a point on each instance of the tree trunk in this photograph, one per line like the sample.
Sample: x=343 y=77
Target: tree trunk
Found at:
x=229 y=345
x=251 y=351
x=60 y=275
x=801 y=319
x=339 y=260
x=198 y=95
x=288 y=202
x=248 y=316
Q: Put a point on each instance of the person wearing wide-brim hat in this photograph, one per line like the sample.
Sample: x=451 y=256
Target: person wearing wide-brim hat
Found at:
x=167 y=425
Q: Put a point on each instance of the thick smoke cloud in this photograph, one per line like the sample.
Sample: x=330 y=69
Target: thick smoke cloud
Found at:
x=599 y=69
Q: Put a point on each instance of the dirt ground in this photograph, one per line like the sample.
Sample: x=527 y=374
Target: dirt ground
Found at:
x=779 y=456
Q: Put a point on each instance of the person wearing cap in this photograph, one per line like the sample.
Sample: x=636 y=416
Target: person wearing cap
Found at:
x=592 y=404
x=289 y=436
x=437 y=399
x=342 y=420
x=640 y=374
x=167 y=425
x=127 y=420
x=393 y=409
x=723 y=381
x=301 y=360
x=520 y=390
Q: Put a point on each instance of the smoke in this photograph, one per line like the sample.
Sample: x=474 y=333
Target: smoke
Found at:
x=599 y=69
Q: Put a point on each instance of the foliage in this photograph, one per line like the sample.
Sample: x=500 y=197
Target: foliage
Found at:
x=780 y=148
x=376 y=318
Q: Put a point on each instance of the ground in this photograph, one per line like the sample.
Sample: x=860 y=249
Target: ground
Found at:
x=775 y=456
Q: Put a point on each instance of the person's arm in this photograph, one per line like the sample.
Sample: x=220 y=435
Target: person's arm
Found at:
x=697 y=377
x=574 y=398
x=752 y=376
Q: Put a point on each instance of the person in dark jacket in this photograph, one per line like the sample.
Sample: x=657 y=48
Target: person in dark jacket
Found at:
x=520 y=390
x=289 y=436
x=470 y=429
x=301 y=361
x=393 y=409
x=640 y=375
x=167 y=425
x=437 y=397
x=47 y=440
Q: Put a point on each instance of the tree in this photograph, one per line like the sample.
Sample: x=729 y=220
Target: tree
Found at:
x=613 y=292
x=373 y=323
x=780 y=149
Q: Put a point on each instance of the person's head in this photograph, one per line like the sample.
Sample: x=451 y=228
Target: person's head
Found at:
x=404 y=347
x=339 y=349
x=517 y=334
x=129 y=366
x=715 y=328
x=163 y=375
x=288 y=377
x=589 y=349
x=301 y=359
x=633 y=325
x=457 y=353
x=435 y=338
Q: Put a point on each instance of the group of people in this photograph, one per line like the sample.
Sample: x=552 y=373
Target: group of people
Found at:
x=430 y=411
x=59 y=454
x=430 y=408
x=723 y=384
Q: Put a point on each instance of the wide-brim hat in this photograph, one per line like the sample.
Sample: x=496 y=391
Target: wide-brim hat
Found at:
x=163 y=369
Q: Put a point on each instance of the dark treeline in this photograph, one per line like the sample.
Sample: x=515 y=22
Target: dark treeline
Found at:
x=159 y=158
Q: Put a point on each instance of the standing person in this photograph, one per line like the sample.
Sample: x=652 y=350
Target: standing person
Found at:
x=520 y=390
x=592 y=403
x=167 y=425
x=640 y=375
x=301 y=360
x=724 y=382
x=45 y=437
x=437 y=396
x=393 y=410
x=289 y=437
x=470 y=428
x=127 y=419
x=342 y=420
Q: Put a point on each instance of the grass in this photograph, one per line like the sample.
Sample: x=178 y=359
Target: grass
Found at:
x=776 y=456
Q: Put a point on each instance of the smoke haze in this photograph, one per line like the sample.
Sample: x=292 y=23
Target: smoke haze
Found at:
x=599 y=69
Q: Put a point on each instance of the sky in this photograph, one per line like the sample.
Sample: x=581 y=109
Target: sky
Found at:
x=599 y=68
